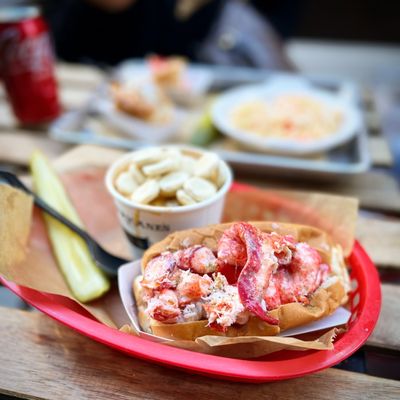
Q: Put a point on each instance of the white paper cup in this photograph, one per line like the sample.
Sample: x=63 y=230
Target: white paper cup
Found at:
x=145 y=225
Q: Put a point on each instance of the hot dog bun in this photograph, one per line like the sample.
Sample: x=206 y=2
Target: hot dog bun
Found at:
x=326 y=299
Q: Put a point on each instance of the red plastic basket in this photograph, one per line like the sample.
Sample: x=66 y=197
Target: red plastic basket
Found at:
x=365 y=303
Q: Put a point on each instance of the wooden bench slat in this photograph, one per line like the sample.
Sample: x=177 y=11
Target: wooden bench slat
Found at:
x=379 y=149
x=16 y=147
x=78 y=75
x=42 y=359
x=7 y=119
x=381 y=239
x=387 y=331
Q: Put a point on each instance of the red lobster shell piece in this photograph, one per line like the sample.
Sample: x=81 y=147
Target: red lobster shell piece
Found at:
x=256 y=273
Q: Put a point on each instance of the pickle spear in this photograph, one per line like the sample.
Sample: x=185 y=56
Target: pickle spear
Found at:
x=204 y=132
x=86 y=281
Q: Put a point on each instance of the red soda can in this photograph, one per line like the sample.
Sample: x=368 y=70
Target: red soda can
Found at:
x=27 y=65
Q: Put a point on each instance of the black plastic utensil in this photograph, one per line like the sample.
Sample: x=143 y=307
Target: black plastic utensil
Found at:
x=105 y=261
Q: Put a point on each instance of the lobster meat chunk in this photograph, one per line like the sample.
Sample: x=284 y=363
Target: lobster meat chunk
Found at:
x=198 y=259
x=257 y=270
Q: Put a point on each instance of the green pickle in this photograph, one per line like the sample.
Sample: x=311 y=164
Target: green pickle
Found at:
x=86 y=281
x=205 y=132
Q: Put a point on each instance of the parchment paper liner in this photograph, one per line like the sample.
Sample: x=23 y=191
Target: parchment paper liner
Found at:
x=34 y=266
x=250 y=346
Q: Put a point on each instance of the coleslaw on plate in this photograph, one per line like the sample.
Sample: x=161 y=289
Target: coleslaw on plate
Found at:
x=288 y=116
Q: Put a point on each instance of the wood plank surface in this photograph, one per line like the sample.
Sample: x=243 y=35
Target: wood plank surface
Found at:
x=16 y=147
x=73 y=98
x=79 y=75
x=7 y=119
x=381 y=239
x=387 y=332
x=379 y=149
x=77 y=83
x=44 y=360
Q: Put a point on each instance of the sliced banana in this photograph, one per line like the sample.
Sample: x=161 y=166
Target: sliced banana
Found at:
x=206 y=165
x=220 y=177
x=166 y=176
x=161 y=167
x=184 y=198
x=172 y=153
x=136 y=173
x=125 y=183
x=171 y=203
x=170 y=183
x=146 y=192
x=199 y=189
x=148 y=156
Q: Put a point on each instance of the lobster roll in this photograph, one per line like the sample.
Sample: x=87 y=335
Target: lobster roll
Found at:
x=239 y=279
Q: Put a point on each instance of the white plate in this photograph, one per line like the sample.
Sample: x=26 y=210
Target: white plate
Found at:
x=135 y=127
x=198 y=81
x=227 y=102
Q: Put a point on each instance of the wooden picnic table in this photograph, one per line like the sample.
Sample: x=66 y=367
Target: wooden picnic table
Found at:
x=41 y=359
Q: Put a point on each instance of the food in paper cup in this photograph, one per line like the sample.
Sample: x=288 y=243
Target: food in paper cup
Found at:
x=239 y=279
x=159 y=190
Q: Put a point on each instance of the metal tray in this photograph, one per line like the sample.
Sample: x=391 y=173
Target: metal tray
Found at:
x=349 y=159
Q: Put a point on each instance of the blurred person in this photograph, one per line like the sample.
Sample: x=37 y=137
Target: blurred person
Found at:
x=107 y=32
x=284 y=15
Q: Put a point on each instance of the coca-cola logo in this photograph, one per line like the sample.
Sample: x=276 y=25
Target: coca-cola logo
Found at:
x=20 y=55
